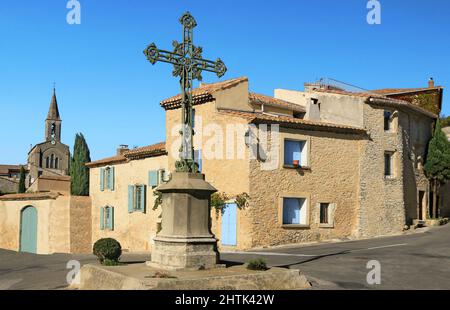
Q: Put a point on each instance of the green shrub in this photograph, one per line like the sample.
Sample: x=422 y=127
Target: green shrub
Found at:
x=257 y=264
x=108 y=251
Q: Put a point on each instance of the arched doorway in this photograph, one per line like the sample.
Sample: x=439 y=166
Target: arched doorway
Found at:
x=28 y=230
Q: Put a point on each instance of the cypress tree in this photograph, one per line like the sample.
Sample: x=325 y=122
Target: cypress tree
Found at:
x=437 y=166
x=22 y=188
x=78 y=170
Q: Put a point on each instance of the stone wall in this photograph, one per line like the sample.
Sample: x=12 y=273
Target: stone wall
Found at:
x=80 y=224
x=8 y=185
x=53 y=223
x=381 y=199
x=135 y=231
x=332 y=177
x=228 y=173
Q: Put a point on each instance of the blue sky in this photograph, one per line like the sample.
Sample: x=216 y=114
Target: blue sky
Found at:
x=108 y=91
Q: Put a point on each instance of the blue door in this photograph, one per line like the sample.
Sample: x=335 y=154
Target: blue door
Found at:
x=229 y=224
x=28 y=230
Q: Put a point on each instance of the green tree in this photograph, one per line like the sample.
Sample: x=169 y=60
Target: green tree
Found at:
x=22 y=187
x=78 y=170
x=437 y=166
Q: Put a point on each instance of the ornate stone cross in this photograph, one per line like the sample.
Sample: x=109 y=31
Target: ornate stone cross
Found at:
x=188 y=65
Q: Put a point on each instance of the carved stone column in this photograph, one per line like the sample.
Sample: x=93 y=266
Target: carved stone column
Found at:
x=185 y=241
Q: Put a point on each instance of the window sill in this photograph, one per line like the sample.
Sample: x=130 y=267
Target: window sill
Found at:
x=326 y=226
x=390 y=178
x=304 y=168
x=295 y=226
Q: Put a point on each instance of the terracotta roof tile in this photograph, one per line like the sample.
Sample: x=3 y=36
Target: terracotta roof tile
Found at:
x=286 y=120
x=263 y=99
x=202 y=94
x=4 y=169
x=347 y=93
x=31 y=196
x=147 y=151
x=107 y=161
x=141 y=152
x=392 y=91
x=381 y=100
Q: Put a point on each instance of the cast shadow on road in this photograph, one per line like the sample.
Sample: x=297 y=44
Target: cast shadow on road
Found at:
x=313 y=259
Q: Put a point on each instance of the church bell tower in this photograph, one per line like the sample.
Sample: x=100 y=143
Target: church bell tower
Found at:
x=53 y=122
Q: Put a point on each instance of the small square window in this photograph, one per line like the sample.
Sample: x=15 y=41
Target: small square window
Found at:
x=324 y=213
x=294 y=211
x=293 y=153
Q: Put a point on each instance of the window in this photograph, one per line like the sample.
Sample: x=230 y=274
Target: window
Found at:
x=387 y=120
x=294 y=211
x=136 y=198
x=56 y=162
x=198 y=159
x=47 y=162
x=388 y=165
x=107 y=178
x=324 y=213
x=193 y=118
x=295 y=153
x=52 y=161
x=107 y=218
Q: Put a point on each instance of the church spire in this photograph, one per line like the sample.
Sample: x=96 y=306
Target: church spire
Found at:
x=53 y=112
x=53 y=121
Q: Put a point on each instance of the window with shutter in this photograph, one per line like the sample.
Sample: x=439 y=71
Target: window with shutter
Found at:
x=102 y=179
x=153 y=178
x=102 y=218
x=198 y=159
x=130 y=198
x=143 y=199
x=111 y=177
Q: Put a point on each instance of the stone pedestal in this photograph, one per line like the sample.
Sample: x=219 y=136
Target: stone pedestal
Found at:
x=185 y=241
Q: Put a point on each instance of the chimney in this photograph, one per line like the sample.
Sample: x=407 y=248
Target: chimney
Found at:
x=122 y=149
x=430 y=83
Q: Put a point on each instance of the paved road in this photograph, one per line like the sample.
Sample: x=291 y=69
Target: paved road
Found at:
x=42 y=272
x=417 y=261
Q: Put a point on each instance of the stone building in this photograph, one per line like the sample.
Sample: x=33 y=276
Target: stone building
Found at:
x=51 y=157
x=317 y=164
x=9 y=178
x=46 y=219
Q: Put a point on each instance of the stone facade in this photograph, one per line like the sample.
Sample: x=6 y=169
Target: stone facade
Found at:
x=346 y=153
x=135 y=231
x=61 y=225
x=346 y=147
x=50 y=157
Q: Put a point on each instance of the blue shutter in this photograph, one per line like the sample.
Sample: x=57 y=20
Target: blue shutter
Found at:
x=102 y=218
x=111 y=177
x=102 y=179
x=198 y=159
x=111 y=218
x=130 y=198
x=153 y=178
x=143 y=198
